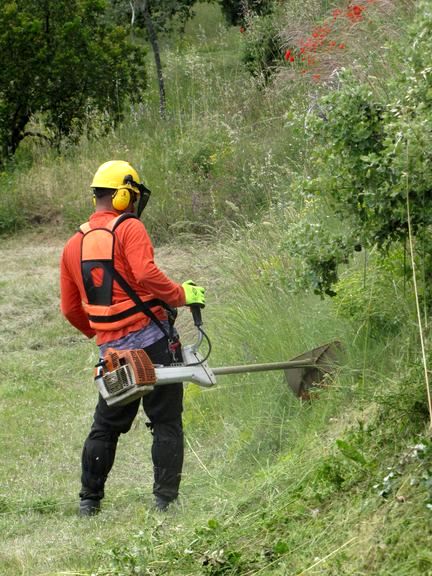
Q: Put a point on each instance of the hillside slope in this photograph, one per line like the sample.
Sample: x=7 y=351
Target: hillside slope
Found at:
x=271 y=485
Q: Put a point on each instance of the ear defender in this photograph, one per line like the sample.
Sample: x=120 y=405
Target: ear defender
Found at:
x=121 y=199
x=94 y=200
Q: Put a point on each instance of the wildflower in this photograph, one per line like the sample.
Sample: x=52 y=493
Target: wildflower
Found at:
x=291 y=59
x=287 y=55
x=336 y=12
x=354 y=12
x=342 y=45
x=316 y=77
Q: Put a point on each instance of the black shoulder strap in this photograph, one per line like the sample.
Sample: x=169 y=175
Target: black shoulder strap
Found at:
x=122 y=218
x=144 y=307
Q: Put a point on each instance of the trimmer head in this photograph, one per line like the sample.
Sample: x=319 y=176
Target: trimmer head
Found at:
x=319 y=363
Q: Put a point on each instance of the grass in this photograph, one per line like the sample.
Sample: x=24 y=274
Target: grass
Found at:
x=266 y=489
x=211 y=154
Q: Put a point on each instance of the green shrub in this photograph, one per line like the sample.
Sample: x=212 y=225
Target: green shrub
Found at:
x=262 y=52
x=370 y=159
x=372 y=295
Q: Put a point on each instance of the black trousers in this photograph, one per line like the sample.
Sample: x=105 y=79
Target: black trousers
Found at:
x=163 y=407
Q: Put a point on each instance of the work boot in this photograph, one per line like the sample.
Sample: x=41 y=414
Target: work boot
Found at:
x=161 y=505
x=89 y=507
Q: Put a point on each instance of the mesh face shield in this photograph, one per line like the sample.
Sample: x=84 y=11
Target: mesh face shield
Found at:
x=143 y=199
x=143 y=191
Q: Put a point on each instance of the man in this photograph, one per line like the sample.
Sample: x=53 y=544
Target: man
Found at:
x=111 y=288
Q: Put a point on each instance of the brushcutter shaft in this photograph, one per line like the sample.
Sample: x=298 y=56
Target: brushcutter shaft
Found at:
x=120 y=384
x=243 y=368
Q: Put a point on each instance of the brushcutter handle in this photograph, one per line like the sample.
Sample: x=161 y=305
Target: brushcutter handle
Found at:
x=196 y=314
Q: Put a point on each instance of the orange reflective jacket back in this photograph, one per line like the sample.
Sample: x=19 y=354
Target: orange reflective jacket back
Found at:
x=98 y=273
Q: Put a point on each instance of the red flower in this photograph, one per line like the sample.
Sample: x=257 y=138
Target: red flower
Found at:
x=291 y=59
x=287 y=55
x=341 y=45
x=354 y=12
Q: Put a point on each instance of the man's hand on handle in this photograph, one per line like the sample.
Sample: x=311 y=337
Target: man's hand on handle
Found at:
x=194 y=295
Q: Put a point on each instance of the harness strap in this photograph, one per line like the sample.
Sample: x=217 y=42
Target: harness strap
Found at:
x=144 y=307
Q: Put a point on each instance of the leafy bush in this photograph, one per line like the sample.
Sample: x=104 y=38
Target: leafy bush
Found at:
x=63 y=61
x=372 y=295
x=319 y=248
x=262 y=50
x=370 y=155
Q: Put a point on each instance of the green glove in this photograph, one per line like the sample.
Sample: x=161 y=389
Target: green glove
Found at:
x=193 y=294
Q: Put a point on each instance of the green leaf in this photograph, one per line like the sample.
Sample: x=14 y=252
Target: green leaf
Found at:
x=213 y=524
x=280 y=547
x=350 y=452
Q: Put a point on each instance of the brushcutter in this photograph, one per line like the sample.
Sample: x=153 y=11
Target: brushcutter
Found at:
x=125 y=375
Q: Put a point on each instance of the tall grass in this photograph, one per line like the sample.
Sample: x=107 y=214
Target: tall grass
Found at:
x=263 y=479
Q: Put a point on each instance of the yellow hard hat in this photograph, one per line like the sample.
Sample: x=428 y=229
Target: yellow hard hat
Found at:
x=121 y=177
x=116 y=174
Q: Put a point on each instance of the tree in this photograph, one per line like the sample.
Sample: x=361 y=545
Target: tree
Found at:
x=151 y=31
x=236 y=11
x=166 y=14
x=156 y=16
x=370 y=162
x=62 y=59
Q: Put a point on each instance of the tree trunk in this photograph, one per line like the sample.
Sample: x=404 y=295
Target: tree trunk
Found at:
x=131 y=4
x=16 y=133
x=156 y=52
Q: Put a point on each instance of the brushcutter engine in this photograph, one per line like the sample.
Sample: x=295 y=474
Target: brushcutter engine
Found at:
x=125 y=373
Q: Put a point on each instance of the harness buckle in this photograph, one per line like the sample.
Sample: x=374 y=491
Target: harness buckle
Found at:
x=174 y=346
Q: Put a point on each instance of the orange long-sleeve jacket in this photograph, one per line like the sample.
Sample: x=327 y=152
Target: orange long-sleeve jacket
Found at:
x=134 y=260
